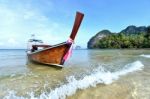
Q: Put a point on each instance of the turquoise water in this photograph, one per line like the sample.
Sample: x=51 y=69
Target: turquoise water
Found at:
x=12 y=62
x=104 y=74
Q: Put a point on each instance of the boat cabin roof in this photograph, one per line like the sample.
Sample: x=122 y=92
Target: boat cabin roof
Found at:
x=42 y=45
x=35 y=40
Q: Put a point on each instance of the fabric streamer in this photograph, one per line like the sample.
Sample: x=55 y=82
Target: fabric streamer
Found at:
x=68 y=54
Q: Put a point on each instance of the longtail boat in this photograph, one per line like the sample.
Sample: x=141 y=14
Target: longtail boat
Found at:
x=54 y=54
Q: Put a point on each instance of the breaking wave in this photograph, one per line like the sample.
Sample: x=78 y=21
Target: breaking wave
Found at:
x=100 y=75
x=146 y=56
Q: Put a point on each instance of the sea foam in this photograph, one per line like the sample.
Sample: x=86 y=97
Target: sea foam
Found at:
x=146 y=56
x=100 y=75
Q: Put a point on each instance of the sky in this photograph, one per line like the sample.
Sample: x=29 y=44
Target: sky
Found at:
x=52 y=20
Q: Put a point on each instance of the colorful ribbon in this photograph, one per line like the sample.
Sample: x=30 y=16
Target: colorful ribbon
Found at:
x=68 y=54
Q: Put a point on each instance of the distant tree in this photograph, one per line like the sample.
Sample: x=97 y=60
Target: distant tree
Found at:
x=139 y=40
x=148 y=32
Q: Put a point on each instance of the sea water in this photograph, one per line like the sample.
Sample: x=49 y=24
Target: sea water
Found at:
x=88 y=74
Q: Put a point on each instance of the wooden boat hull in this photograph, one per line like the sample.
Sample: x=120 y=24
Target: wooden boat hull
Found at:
x=51 y=55
x=56 y=54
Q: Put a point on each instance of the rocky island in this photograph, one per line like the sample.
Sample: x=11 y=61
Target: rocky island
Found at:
x=131 y=37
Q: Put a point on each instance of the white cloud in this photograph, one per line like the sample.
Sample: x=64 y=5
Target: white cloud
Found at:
x=1 y=43
x=28 y=15
x=18 y=23
x=7 y=17
x=20 y=19
x=12 y=41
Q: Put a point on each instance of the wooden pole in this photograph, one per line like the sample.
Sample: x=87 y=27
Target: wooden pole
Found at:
x=78 y=20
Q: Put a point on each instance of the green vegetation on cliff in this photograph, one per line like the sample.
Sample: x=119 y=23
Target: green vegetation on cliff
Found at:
x=124 y=40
